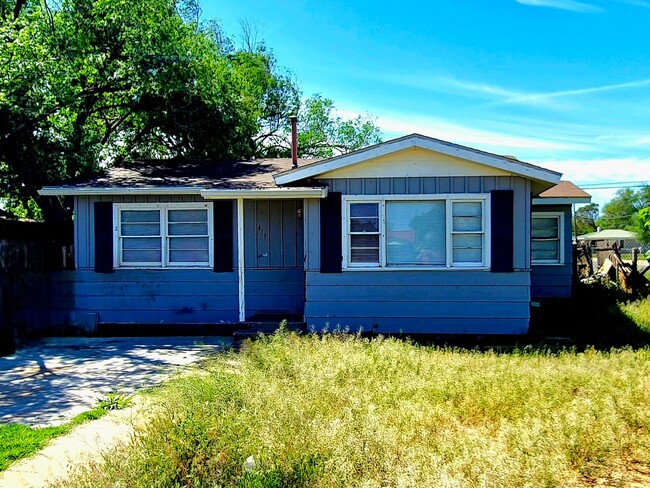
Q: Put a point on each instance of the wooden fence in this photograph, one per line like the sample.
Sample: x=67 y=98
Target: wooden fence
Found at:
x=28 y=250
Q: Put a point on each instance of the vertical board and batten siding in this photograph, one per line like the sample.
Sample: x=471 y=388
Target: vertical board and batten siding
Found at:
x=165 y=296
x=426 y=301
x=555 y=281
x=274 y=277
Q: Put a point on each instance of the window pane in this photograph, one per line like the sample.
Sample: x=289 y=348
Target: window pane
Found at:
x=467 y=255
x=467 y=216
x=188 y=256
x=546 y=250
x=140 y=215
x=188 y=243
x=364 y=210
x=366 y=256
x=371 y=240
x=140 y=229
x=152 y=256
x=141 y=243
x=364 y=217
x=415 y=233
x=467 y=248
x=187 y=229
x=198 y=215
x=473 y=241
x=545 y=227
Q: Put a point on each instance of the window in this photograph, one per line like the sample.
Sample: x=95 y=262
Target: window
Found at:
x=547 y=231
x=415 y=232
x=163 y=235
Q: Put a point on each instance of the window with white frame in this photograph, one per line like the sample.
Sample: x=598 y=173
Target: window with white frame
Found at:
x=415 y=232
x=163 y=235
x=546 y=238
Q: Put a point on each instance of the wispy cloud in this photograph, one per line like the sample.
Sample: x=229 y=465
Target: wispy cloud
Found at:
x=399 y=124
x=571 y=5
x=547 y=99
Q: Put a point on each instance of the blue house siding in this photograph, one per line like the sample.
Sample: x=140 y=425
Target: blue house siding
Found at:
x=554 y=281
x=444 y=302
x=436 y=301
x=275 y=283
x=277 y=292
x=134 y=296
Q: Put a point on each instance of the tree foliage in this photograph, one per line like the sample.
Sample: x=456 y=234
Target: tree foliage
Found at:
x=585 y=219
x=98 y=82
x=628 y=211
x=321 y=132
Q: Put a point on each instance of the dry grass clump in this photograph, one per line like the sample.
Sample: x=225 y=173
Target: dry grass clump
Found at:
x=334 y=410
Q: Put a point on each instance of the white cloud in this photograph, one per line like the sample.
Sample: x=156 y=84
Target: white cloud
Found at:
x=571 y=5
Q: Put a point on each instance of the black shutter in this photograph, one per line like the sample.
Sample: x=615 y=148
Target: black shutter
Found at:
x=103 y=237
x=502 y=230
x=223 y=235
x=331 y=240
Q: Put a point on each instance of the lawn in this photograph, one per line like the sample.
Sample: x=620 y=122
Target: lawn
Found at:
x=339 y=410
x=18 y=441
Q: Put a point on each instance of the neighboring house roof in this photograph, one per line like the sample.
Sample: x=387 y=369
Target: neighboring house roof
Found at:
x=608 y=235
x=505 y=163
x=209 y=178
x=564 y=192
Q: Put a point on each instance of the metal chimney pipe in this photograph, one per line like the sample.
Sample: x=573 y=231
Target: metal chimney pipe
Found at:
x=294 y=140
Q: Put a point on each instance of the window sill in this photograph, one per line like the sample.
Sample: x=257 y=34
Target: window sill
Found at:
x=443 y=269
x=160 y=268
x=547 y=264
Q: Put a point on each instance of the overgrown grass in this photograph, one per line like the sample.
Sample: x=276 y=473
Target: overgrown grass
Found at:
x=343 y=411
x=639 y=312
x=18 y=441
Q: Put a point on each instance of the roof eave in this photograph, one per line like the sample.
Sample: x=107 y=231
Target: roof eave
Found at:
x=275 y=193
x=561 y=200
x=117 y=190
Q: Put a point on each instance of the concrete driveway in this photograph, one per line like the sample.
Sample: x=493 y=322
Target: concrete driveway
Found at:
x=51 y=380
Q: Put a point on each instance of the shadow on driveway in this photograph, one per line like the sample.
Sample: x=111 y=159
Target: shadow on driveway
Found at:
x=51 y=380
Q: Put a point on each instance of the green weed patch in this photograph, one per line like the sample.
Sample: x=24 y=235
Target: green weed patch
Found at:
x=338 y=410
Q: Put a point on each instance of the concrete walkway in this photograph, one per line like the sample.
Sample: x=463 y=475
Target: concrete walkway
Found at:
x=52 y=380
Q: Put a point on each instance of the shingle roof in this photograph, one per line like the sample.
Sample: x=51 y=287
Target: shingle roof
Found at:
x=231 y=175
x=564 y=189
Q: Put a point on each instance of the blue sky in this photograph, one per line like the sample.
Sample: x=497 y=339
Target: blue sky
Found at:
x=560 y=83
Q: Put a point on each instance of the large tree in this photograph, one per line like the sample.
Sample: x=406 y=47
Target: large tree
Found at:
x=322 y=133
x=99 y=82
x=621 y=212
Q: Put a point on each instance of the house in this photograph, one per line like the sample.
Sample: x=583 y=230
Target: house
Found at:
x=413 y=235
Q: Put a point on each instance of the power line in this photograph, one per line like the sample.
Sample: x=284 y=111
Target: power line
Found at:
x=614 y=184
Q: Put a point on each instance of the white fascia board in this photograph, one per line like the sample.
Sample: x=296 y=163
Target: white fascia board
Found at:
x=505 y=164
x=561 y=200
x=275 y=193
x=161 y=190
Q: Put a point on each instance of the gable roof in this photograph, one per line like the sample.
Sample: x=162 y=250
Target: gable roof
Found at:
x=565 y=192
x=505 y=163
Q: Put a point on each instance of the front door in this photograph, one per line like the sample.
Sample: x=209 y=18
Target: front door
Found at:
x=273 y=249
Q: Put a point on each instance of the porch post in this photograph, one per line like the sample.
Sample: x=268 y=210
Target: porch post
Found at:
x=240 y=258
